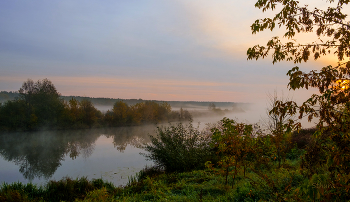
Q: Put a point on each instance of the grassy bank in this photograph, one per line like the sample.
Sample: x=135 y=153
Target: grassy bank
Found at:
x=153 y=185
x=227 y=165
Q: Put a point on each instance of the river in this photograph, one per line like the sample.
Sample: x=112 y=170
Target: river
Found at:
x=112 y=154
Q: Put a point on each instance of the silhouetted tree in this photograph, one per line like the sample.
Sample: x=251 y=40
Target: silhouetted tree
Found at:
x=212 y=106
x=13 y=116
x=42 y=102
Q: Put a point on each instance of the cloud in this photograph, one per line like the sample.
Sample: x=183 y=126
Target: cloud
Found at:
x=158 y=89
x=183 y=50
x=222 y=25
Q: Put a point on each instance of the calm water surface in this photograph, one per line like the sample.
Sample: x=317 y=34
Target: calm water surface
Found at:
x=111 y=154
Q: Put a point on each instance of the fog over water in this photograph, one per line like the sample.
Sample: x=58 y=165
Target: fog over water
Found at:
x=250 y=113
x=111 y=154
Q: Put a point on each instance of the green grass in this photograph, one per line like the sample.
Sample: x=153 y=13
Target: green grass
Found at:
x=154 y=185
x=64 y=190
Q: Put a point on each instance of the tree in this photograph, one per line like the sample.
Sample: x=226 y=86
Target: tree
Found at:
x=211 y=106
x=136 y=112
x=273 y=120
x=38 y=105
x=74 y=110
x=277 y=124
x=332 y=38
x=42 y=99
x=234 y=143
x=185 y=114
x=120 y=110
x=332 y=31
x=89 y=113
x=13 y=116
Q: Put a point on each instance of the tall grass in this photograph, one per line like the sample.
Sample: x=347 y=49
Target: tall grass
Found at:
x=66 y=189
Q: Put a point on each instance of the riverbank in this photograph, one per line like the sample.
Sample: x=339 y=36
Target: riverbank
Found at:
x=260 y=174
x=197 y=185
x=232 y=167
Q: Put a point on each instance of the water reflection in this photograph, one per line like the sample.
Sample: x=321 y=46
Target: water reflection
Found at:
x=134 y=136
x=111 y=153
x=39 y=154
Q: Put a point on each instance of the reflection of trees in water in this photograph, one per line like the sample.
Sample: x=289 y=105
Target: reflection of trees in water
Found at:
x=134 y=136
x=39 y=154
x=81 y=142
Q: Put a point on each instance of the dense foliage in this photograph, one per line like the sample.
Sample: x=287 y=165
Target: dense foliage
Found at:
x=243 y=167
x=327 y=159
x=179 y=148
x=273 y=167
x=39 y=106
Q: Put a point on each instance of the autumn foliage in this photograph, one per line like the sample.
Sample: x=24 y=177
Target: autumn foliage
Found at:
x=327 y=156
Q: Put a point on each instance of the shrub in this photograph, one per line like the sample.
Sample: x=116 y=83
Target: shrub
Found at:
x=295 y=153
x=179 y=148
x=303 y=137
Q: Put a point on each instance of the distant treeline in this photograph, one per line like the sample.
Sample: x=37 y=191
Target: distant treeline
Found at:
x=38 y=105
x=6 y=96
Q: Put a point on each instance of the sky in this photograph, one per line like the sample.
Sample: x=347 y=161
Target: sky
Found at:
x=177 y=50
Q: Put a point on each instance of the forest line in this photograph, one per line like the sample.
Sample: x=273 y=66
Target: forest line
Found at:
x=39 y=106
